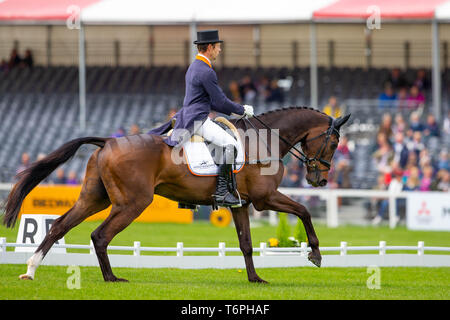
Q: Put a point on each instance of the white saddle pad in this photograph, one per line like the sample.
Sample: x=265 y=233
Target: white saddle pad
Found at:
x=201 y=162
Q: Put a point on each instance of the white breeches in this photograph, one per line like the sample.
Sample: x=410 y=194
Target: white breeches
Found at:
x=215 y=134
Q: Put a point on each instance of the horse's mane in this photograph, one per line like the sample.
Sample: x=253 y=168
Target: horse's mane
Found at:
x=293 y=108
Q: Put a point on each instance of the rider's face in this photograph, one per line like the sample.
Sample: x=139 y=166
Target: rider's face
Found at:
x=214 y=50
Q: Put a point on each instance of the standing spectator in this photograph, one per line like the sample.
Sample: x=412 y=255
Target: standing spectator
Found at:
x=28 y=59
x=396 y=79
x=247 y=89
x=421 y=82
x=395 y=186
x=332 y=108
x=25 y=163
x=388 y=98
x=14 y=59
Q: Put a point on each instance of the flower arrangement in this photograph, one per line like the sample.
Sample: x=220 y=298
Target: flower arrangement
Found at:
x=283 y=238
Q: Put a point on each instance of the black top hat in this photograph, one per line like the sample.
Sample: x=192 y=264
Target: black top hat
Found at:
x=207 y=36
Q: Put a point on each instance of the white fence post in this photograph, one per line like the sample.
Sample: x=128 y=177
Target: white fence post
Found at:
x=392 y=211
x=382 y=248
x=332 y=210
x=221 y=249
x=180 y=249
x=343 y=248
x=303 y=249
x=137 y=248
x=91 y=247
x=420 y=248
x=262 y=247
x=2 y=244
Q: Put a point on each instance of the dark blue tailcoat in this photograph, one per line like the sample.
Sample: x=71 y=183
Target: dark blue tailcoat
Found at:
x=203 y=94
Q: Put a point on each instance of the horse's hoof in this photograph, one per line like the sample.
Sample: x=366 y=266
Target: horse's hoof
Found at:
x=114 y=279
x=317 y=260
x=25 y=277
x=258 y=280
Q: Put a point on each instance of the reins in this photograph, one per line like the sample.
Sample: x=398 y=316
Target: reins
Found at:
x=310 y=162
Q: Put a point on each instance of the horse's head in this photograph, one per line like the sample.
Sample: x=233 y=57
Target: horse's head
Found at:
x=319 y=146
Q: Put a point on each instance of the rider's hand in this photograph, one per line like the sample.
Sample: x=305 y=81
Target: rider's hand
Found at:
x=248 y=110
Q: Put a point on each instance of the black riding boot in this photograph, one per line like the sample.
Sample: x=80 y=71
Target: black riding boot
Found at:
x=223 y=197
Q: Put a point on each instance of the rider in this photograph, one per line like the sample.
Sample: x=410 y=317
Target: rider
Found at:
x=203 y=94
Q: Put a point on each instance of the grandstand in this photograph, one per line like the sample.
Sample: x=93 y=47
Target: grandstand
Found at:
x=135 y=72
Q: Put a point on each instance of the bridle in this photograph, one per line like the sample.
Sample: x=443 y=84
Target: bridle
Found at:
x=310 y=163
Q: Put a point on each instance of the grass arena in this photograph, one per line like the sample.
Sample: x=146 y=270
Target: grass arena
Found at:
x=246 y=150
x=217 y=284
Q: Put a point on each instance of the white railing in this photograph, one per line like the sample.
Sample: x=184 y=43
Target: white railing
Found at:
x=268 y=256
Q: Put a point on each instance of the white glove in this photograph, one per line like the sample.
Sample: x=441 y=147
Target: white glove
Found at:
x=248 y=110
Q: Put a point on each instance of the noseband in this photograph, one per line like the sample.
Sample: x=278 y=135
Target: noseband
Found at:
x=310 y=163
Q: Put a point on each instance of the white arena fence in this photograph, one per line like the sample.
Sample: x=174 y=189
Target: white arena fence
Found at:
x=268 y=257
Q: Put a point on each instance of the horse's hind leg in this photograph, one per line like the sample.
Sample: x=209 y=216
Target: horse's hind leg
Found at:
x=93 y=198
x=242 y=223
x=121 y=216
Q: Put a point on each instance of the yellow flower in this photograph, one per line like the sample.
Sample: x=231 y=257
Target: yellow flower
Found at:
x=273 y=242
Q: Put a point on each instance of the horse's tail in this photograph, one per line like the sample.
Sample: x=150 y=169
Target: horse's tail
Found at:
x=38 y=171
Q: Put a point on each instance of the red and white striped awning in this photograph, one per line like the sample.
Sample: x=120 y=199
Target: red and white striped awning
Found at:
x=230 y=11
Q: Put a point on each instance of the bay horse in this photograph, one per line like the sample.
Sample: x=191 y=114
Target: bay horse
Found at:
x=126 y=172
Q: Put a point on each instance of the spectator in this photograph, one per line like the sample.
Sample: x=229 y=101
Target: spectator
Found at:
x=442 y=181
x=374 y=203
x=4 y=66
x=234 y=92
x=14 y=59
x=427 y=179
x=72 y=178
x=395 y=186
x=134 y=130
x=274 y=93
x=119 y=133
x=386 y=126
x=402 y=98
x=25 y=163
x=332 y=108
x=416 y=144
x=247 y=89
x=399 y=124
x=342 y=160
x=383 y=157
x=431 y=128
x=414 y=122
x=396 y=79
x=413 y=180
x=400 y=150
x=388 y=98
x=28 y=60
x=416 y=99
x=442 y=163
x=421 y=81
x=60 y=177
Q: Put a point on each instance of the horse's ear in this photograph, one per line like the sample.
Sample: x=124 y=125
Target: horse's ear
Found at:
x=340 y=121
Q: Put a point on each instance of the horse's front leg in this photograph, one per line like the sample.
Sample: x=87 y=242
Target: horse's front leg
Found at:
x=242 y=223
x=279 y=202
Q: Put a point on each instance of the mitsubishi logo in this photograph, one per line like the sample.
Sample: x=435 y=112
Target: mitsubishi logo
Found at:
x=423 y=209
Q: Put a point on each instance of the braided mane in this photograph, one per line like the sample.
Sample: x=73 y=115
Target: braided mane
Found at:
x=293 y=108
